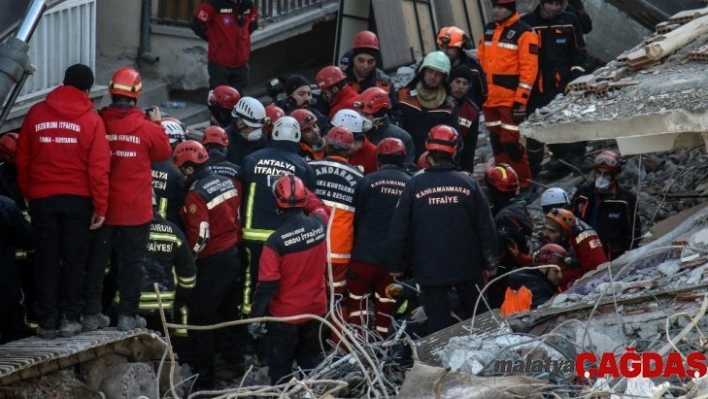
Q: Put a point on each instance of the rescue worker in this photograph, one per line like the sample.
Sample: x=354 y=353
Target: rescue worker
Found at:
x=335 y=94
x=459 y=84
x=63 y=133
x=167 y=182
x=311 y=142
x=227 y=25
x=299 y=96
x=221 y=102
x=335 y=182
x=246 y=130
x=273 y=112
x=436 y=209
x=561 y=59
x=577 y=8
x=375 y=198
x=455 y=43
x=554 y=197
x=260 y=171
x=608 y=208
x=577 y=237
x=136 y=140
x=424 y=101
x=216 y=142
x=363 y=153
x=213 y=232
x=291 y=281
x=508 y=53
x=15 y=233
x=528 y=289
x=8 y=170
x=375 y=105
x=513 y=222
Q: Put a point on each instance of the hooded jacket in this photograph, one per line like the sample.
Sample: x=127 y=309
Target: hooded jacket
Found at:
x=63 y=150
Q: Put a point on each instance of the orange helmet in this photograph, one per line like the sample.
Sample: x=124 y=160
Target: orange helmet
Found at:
x=608 y=160
x=126 y=82
x=215 y=135
x=366 y=39
x=503 y=178
x=451 y=36
x=224 y=96
x=340 y=137
x=305 y=118
x=189 y=151
x=273 y=113
x=8 y=147
x=372 y=100
x=329 y=76
x=390 y=146
x=442 y=138
x=551 y=254
x=289 y=192
x=563 y=217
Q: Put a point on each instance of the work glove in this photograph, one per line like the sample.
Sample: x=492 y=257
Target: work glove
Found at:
x=394 y=290
x=518 y=112
x=257 y=330
x=418 y=315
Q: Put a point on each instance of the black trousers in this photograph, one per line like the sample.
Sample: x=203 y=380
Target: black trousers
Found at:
x=214 y=299
x=12 y=311
x=61 y=228
x=285 y=343
x=437 y=303
x=234 y=77
x=130 y=244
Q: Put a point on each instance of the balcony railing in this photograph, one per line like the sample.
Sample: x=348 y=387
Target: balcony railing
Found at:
x=179 y=12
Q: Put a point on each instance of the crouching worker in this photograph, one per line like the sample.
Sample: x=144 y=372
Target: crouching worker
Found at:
x=291 y=281
x=528 y=289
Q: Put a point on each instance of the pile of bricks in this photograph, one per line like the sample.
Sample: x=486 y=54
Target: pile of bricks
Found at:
x=700 y=55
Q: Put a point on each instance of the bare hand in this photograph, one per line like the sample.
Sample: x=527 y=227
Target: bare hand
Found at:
x=96 y=221
x=154 y=114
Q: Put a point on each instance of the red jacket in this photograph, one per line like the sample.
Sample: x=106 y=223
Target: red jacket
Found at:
x=216 y=21
x=135 y=143
x=344 y=99
x=63 y=149
x=587 y=248
x=365 y=156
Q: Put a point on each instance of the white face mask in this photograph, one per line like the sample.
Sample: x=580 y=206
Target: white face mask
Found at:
x=602 y=183
x=254 y=135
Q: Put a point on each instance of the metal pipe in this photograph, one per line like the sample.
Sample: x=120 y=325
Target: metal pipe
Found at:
x=30 y=20
x=145 y=52
x=11 y=100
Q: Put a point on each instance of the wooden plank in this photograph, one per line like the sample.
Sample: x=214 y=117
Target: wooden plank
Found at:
x=426 y=26
x=393 y=38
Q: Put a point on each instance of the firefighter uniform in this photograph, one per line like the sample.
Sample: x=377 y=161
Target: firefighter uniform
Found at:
x=377 y=78
x=442 y=227
x=169 y=190
x=418 y=120
x=364 y=157
x=587 y=247
x=375 y=198
x=213 y=231
x=240 y=147
x=385 y=129
x=221 y=166
x=508 y=54
x=336 y=181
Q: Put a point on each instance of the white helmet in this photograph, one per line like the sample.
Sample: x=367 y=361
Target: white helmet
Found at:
x=286 y=128
x=352 y=120
x=174 y=129
x=555 y=196
x=250 y=110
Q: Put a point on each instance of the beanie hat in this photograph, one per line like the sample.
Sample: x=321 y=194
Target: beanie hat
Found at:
x=509 y=6
x=366 y=50
x=293 y=82
x=79 y=76
x=462 y=71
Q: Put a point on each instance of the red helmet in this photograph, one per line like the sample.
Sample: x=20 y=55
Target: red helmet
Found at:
x=551 y=254
x=442 y=138
x=340 y=137
x=289 y=192
x=366 y=39
x=189 y=151
x=608 y=160
x=126 y=82
x=423 y=162
x=563 y=217
x=305 y=118
x=225 y=96
x=215 y=135
x=503 y=178
x=329 y=76
x=390 y=146
x=273 y=113
x=372 y=100
x=8 y=147
x=452 y=36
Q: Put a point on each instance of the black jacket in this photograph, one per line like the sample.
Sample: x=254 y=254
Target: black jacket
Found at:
x=376 y=197
x=611 y=215
x=443 y=221
x=8 y=185
x=417 y=120
x=240 y=147
x=219 y=165
x=514 y=224
x=169 y=190
x=541 y=289
x=478 y=86
x=577 y=8
x=385 y=130
x=15 y=232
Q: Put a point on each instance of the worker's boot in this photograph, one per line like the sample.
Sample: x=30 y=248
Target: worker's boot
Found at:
x=126 y=323
x=68 y=328
x=93 y=322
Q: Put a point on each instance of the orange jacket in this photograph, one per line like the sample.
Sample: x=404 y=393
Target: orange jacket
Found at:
x=508 y=54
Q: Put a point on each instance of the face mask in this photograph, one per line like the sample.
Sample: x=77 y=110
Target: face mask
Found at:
x=602 y=183
x=254 y=135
